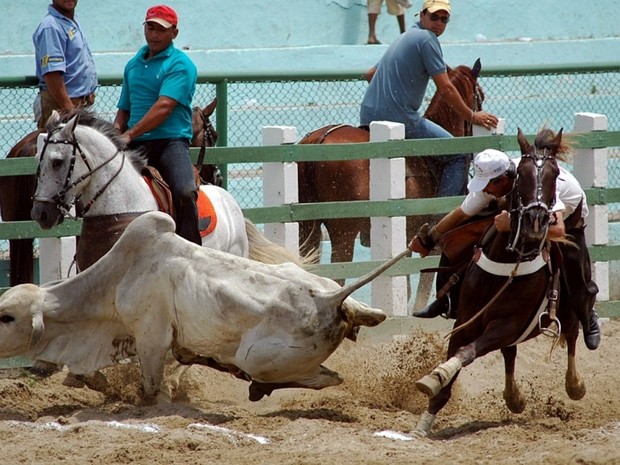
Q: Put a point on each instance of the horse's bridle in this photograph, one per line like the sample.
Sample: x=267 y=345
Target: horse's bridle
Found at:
x=59 y=198
x=518 y=211
x=208 y=137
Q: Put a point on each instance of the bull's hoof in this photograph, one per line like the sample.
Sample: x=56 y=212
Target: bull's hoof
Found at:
x=258 y=391
x=429 y=385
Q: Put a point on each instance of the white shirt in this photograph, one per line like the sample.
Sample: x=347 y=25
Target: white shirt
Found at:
x=568 y=194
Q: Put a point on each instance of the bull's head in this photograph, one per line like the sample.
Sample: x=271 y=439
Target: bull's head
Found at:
x=21 y=321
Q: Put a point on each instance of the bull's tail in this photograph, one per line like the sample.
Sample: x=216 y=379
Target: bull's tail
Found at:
x=265 y=251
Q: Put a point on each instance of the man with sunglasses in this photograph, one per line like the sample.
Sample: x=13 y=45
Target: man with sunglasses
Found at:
x=398 y=83
x=494 y=179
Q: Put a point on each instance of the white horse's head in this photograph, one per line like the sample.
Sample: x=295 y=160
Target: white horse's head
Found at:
x=70 y=156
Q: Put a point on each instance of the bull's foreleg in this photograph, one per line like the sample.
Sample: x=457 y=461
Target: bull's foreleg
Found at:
x=575 y=386
x=152 y=363
x=512 y=394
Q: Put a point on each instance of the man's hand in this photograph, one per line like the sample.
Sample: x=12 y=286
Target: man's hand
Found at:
x=502 y=221
x=425 y=240
x=416 y=246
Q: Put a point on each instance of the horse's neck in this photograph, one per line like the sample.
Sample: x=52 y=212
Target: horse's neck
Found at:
x=496 y=250
x=127 y=192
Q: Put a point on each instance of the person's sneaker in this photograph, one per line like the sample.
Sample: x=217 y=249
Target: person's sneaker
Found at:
x=592 y=334
x=435 y=308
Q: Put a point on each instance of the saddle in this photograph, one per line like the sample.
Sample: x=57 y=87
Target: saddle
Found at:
x=207 y=219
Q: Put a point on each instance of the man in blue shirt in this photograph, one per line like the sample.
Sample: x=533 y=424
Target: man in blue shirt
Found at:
x=155 y=113
x=64 y=64
x=398 y=84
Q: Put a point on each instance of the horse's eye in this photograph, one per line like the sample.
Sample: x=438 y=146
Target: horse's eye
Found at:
x=6 y=319
x=56 y=163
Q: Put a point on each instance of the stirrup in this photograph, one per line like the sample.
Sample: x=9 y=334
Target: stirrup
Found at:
x=547 y=331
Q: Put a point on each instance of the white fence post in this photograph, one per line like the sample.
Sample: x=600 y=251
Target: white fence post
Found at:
x=55 y=253
x=590 y=169
x=388 y=235
x=280 y=186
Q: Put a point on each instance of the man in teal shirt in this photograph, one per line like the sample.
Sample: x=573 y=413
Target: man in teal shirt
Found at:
x=155 y=112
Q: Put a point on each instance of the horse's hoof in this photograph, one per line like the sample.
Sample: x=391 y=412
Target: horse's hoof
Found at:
x=515 y=405
x=429 y=385
x=576 y=391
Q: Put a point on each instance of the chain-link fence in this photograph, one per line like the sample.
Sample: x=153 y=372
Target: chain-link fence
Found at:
x=526 y=101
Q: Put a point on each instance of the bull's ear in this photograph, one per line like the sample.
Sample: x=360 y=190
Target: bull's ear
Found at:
x=523 y=143
x=477 y=68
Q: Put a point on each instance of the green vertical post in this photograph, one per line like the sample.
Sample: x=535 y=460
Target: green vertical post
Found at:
x=221 y=124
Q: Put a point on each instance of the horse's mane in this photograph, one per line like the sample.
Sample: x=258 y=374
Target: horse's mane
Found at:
x=89 y=119
x=545 y=138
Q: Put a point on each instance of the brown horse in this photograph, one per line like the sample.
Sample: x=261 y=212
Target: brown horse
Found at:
x=509 y=291
x=204 y=136
x=16 y=191
x=15 y=204
x=331 y=181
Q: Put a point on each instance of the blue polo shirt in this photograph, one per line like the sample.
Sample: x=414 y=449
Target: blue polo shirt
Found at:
x=397 y=89
x=60 y=45
x=170 y=73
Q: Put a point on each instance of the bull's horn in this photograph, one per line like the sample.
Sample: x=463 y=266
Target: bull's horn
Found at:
x=37 y=330
x=345 y=291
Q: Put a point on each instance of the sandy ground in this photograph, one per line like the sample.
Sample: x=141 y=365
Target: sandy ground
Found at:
x=366 y=420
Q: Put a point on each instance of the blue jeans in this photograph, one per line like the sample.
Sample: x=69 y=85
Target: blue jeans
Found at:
x=454 y=176
x=171 y=158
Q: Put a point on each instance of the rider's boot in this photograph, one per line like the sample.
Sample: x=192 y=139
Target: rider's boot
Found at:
x=438 y=307
x=592 y=333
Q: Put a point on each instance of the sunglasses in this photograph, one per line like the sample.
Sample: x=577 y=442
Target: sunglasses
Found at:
x=436 y=17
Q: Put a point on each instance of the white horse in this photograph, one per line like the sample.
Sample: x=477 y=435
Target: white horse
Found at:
x=83 y=162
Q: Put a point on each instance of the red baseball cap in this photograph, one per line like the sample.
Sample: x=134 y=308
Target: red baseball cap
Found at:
x=162 y=14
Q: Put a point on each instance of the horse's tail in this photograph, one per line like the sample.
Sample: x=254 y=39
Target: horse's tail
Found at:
x=265 y=251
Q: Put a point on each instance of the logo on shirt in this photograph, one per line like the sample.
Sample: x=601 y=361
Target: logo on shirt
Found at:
x=46 y=60
x=71 y=33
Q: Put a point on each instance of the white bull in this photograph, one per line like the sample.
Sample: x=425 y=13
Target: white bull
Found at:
x=153 y=291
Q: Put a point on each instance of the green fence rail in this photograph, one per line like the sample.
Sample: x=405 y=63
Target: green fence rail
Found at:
x=390 y=208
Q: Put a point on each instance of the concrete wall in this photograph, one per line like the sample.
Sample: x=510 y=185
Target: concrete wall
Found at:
x=251 y=35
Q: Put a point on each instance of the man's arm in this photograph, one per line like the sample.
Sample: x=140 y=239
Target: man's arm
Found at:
x=428 y=237
x=157 y=114
x=451 y=95
x=55 y=83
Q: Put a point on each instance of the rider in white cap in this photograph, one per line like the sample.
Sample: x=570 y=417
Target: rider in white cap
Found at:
x=494 y=176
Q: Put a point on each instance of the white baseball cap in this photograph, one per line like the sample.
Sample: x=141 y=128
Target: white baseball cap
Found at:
x=488 y=164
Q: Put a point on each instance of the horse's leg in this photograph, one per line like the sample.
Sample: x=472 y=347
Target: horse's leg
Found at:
x=575 y=386
x=512 y=394
x=418 y=185
x=342 y=234
x=21 y=261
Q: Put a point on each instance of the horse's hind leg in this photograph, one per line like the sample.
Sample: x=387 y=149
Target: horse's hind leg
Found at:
x=512 y=394
x=575 y=386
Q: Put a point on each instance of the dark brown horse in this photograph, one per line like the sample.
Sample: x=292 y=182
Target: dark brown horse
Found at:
x=16 y=191
x=509 y=291
x=331 y=181
x=15 y=204
x=204 y=136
